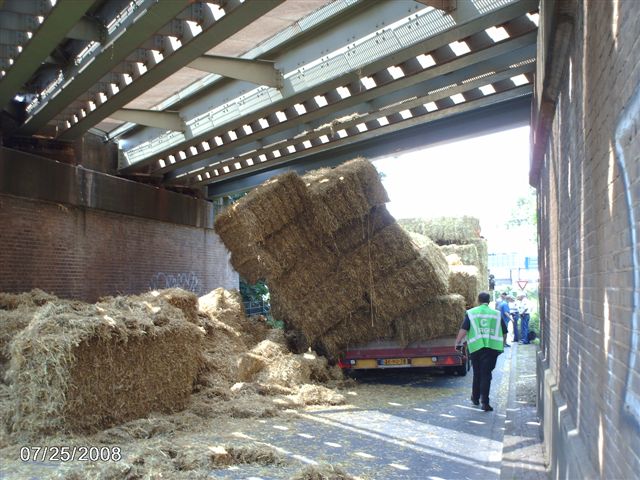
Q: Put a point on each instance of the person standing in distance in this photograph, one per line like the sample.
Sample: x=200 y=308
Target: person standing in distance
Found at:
x=523 y=308
x=515 y=316
x=485 y=330
x=505 y=312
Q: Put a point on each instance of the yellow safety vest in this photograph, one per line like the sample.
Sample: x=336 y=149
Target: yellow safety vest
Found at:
x=485 y=329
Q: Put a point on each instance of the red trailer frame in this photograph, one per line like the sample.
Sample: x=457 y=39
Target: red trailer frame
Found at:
x=438 y=353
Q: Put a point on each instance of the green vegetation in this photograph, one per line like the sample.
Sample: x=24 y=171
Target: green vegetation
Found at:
x=256 y=293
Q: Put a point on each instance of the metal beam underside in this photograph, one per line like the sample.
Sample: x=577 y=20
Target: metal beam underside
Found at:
x=18 y=22
x=501 y=116
x=498 y=57
x=53 y=30
x=460 y=76
x=113 y=52
x=444 y=5
x=235 y=20
x=289 y=49
x=166 y=120
x=227 y=169
x=292 y=93
x=261 y=72
x=88 y=29
x=31 y=7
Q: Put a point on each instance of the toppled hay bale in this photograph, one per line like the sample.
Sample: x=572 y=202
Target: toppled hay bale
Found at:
x=418 y=239
x=439 y=317
x=468 y=254
x=347 y=247
x=264 y=210
x=387 y=272
x=474 y=253
x=483 y=262
x=465 y=281
x=12 y=322
x=359 y=231
x=34 y=298
x=386 y=251
x=445 y=230
x=317 y=395
x=181 y=299
x=343 y=193
x=362 y=327
x=176 y=461
x=226 y=310
x=259 y=454
x=454 y=259
x=246 y=259
x=229 y=336
x=249 y=364
x=409 y=286
x=269 y=349
x=224 y=305
x=83 y=367
x=16 y=312
x=290 y=370
x=322 y=472
x=246 y=223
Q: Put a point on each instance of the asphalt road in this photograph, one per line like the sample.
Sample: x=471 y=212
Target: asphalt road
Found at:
x=401 y=424
x=397 y=424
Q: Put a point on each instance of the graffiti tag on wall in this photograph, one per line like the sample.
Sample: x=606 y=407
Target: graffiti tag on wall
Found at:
x=186 y=281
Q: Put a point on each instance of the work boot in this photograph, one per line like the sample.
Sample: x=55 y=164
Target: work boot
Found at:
x=486 y=407
x=475 y=402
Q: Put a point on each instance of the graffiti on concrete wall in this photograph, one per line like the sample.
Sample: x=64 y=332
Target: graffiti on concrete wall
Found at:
x=627 y=142
x=186 y=281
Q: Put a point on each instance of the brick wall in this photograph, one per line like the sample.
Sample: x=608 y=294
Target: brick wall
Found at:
x=84 y=253
x=589 y=318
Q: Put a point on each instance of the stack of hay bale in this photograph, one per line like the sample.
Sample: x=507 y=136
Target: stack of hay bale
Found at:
x=339 y=268
x=466 y=251
x=82 y=367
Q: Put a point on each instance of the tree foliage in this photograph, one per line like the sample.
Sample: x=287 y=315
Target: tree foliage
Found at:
x=525 y=212
x=258 y=292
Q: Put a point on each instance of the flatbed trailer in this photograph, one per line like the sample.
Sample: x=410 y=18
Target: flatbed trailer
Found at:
x=438 y=353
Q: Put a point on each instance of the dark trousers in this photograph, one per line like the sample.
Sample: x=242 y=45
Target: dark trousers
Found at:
x=515 y=317
x=483 y=361
x=524 y=323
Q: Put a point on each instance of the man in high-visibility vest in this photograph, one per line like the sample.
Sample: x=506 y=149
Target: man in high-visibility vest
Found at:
x=485 y=331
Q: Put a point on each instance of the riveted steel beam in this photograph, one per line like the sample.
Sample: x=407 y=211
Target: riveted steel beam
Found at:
x=290 y=39
x=114 y=51
x=502 y=97
x=261 y=72
x=468 y=120
x=338 y=72
x=386 y=103
x=151 y=118
x=88 y=29
x=238 y=15
x=56 y=25
x=368 y=118
x=446 y=69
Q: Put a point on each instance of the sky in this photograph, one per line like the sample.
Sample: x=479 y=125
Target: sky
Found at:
x=482 y=177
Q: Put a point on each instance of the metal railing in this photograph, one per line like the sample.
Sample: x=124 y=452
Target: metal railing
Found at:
x=255 y=308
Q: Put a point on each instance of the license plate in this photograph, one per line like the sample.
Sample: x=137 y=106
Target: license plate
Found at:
x=394 y=361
